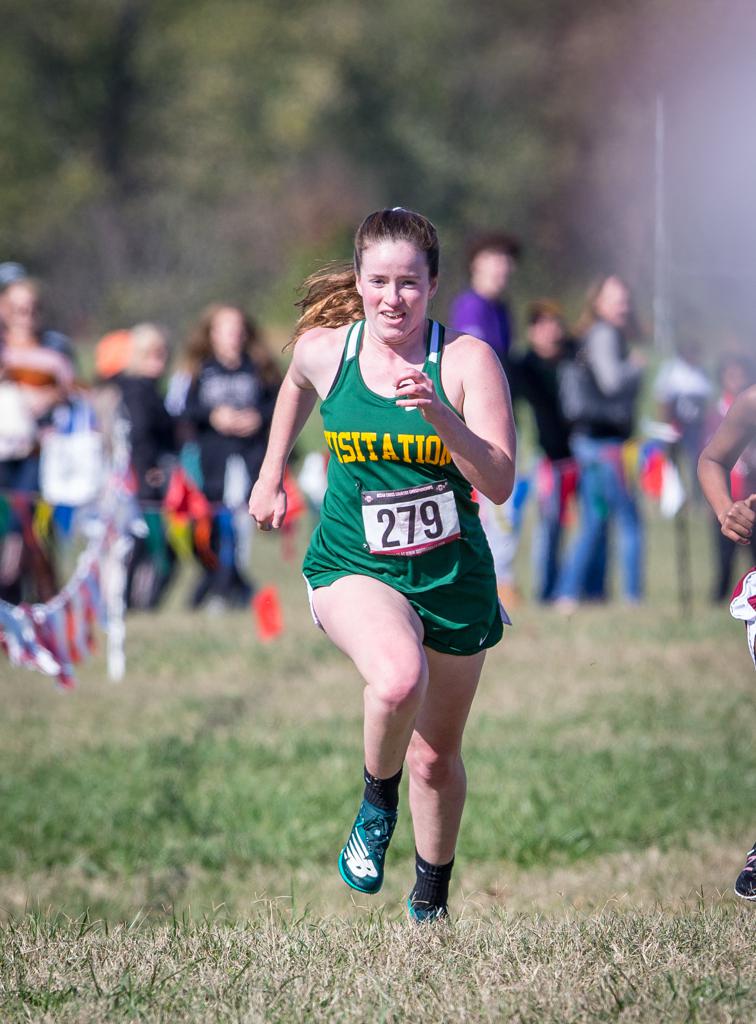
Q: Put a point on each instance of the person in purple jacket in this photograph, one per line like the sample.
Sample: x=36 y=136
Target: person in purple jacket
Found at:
x=483 y=312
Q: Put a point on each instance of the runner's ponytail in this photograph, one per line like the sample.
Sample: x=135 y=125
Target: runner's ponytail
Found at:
x=330 y=299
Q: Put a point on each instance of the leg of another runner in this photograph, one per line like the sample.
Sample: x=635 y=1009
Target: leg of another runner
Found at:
x=382 y=634
x=438 y=783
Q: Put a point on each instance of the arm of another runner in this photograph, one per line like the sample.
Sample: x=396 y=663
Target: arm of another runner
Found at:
x=304 y=380
x=735 y=432
x=483 y=444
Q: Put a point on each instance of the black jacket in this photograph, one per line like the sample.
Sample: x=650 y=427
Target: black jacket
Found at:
x=535 y=380
x=242 y=388
x=152 y=433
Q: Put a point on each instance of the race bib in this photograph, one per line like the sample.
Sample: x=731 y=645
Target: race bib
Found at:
x=410 y=521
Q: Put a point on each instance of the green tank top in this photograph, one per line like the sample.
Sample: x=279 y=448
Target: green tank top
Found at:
x=392 y=487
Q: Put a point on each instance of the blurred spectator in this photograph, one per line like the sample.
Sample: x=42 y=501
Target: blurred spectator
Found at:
x=736 y=373
x=234 y=383
x=683 y=389
x=602 y=409
x=152 y=441
x=36 y=374
x=483 y=312
x=533 y=378
x=40 y=360
x=20 y=311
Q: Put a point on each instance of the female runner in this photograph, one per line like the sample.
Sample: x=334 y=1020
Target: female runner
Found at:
x=399 y=572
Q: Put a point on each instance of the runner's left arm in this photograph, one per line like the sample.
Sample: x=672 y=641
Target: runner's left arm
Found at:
x=735 y=432
x=483 y=444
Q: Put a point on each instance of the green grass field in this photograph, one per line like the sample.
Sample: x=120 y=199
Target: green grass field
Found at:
x=168 y=846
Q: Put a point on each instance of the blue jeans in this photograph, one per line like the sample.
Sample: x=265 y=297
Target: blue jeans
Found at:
x=555 y=487
x=552 y=492
x=20 y=474
x=605 y=496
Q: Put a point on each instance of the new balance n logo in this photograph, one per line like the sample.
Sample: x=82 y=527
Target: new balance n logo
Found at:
x=357 y=859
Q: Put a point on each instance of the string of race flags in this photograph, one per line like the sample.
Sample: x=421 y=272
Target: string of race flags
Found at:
x=55 y=636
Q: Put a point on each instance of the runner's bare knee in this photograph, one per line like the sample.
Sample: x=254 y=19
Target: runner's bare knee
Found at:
x=399 y=682
x=430 y=767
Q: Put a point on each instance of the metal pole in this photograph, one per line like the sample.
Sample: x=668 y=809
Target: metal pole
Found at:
x=662 y=332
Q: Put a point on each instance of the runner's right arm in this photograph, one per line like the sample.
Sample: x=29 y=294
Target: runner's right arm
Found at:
x=305 y=379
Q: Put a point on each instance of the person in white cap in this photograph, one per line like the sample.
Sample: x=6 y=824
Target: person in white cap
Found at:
x=737 y=519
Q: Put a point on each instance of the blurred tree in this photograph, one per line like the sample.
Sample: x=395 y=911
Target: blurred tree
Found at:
x=156 y=155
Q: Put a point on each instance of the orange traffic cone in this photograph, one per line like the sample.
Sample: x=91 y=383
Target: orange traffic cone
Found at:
x=267 y=612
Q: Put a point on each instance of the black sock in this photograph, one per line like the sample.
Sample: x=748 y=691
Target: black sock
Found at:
x=432 y=884
x=383 y=793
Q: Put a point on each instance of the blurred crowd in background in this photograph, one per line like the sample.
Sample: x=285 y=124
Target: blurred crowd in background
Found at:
x=195 y=414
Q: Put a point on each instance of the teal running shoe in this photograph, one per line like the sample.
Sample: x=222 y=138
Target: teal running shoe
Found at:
x=361 y=860
x=426 y=913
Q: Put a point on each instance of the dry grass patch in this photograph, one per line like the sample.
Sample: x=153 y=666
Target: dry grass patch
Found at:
x=637 y=966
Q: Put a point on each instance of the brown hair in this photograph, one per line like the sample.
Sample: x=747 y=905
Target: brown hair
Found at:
x=589 y=316
x=494 y=241
x=330 y=295
x=199 y=346
x=544 y=309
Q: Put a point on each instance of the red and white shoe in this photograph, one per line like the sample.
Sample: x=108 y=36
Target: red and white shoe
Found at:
x=743 y=607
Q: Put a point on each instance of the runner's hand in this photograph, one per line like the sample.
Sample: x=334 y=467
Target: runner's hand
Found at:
x=414 y=390
x=738 y=521
x=267 y=505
